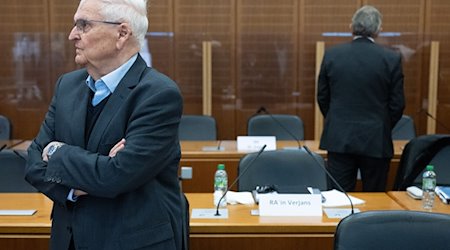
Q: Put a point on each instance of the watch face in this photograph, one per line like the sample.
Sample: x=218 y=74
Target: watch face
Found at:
x=51 y=150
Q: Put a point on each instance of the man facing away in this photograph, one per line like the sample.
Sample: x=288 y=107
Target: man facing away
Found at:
x=107 y=153
x=360 y=94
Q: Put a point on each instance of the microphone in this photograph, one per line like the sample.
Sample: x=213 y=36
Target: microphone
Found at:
x=239 y=176
x=262 y=109
x=19 y=155
x=218 y=145
x=330 y=176
x=3 y=147
x=434 y=118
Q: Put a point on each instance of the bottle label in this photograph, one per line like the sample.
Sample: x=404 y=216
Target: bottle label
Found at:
x=429 y=184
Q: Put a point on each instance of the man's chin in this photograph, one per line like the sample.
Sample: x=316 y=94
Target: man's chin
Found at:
x=80 y=61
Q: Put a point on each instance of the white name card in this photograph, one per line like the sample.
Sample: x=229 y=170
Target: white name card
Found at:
x=255 y=143
x=290 y=205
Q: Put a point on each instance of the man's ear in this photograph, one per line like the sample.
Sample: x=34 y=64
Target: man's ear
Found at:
x=124 y=34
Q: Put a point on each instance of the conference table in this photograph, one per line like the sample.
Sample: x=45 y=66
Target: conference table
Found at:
x=408 y=203
x=203 y=157
x=240 y=230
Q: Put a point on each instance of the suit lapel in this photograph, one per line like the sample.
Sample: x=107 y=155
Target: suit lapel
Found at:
x=79 y=114
x=129 y=81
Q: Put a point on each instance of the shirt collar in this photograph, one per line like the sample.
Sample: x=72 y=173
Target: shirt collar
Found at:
x=113 y=78
x=367 y=37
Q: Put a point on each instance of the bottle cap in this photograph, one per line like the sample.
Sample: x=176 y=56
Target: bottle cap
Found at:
x=430 y=167
x=221 y=166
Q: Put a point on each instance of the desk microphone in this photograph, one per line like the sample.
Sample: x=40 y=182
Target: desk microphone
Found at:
x=329 y=175
x=219 y=144
x=3 y=147
x=239 y=176
x=19 y=155
x=434 y=118
x=262 y=109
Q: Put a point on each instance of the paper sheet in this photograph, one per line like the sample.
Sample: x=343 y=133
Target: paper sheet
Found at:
x=335 y=198
x=240 y=197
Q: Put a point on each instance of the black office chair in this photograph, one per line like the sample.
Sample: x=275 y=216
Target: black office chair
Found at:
x=417 y=154
x=404 y=129
x=5 y=128
x=197 y=128
x=287 y=169
x=276 y=125
x=12 y=173
x=396 y=230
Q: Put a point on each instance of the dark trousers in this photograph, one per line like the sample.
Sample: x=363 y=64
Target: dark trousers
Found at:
x=344 y=168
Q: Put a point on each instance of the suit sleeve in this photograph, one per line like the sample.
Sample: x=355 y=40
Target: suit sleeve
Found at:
x=396 y=98
x=36 y=168
x=323 y=89
x=151 y=148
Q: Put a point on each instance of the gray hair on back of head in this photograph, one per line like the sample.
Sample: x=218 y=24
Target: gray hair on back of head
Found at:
x=366 y=21
x=133 y=12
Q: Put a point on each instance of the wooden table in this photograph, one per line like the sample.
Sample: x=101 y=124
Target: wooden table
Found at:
x=203 y=157
x=240 y=231
x=25 y=232
x=245 y=231
x=408 y=203
x=11 y=143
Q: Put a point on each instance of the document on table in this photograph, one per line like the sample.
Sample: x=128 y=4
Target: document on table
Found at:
x=335 y=198
x=16 y=212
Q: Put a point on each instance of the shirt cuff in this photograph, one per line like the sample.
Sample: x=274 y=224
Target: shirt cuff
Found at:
x=72 y=197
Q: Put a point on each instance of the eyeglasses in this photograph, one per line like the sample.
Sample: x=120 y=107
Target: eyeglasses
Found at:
x=81 y=24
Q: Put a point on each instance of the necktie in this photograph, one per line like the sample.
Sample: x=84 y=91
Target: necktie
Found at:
x=101 y=92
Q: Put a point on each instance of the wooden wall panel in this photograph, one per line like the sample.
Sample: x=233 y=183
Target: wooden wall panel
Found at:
x=203 y=20
x=24 y=64
x=438 y=29
x=266 y=58
x=160 y=38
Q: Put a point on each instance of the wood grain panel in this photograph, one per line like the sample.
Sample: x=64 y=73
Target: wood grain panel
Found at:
x=438 y=29
x=25 y=65
x=197 y=21
x=160 y=38
x=266 y=58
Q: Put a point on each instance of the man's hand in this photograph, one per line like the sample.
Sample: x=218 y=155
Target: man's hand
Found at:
x=119 y=146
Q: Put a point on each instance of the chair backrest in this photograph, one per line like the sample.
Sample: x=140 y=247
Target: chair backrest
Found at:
x=419 y=152
x=441 y=162
x=197 y=128
x=5 y=128
x=12 y=173
x=276 y=125
x=404 y=129
x=399 y=230
x=285 y=168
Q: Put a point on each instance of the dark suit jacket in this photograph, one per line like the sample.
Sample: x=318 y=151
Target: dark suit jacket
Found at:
x=360 y=94
x=134 y=197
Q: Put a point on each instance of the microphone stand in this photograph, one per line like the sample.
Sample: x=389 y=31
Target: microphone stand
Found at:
x=237 y=178
x=262 y=109
x=330 y=176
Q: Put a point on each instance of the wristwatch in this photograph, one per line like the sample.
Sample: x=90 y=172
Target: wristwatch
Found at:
x=52 y=149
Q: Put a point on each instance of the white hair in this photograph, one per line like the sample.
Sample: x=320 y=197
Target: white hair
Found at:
x=133 y=12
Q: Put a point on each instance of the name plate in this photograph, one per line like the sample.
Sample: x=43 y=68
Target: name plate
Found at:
x=290 y=205
x=255 y=143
